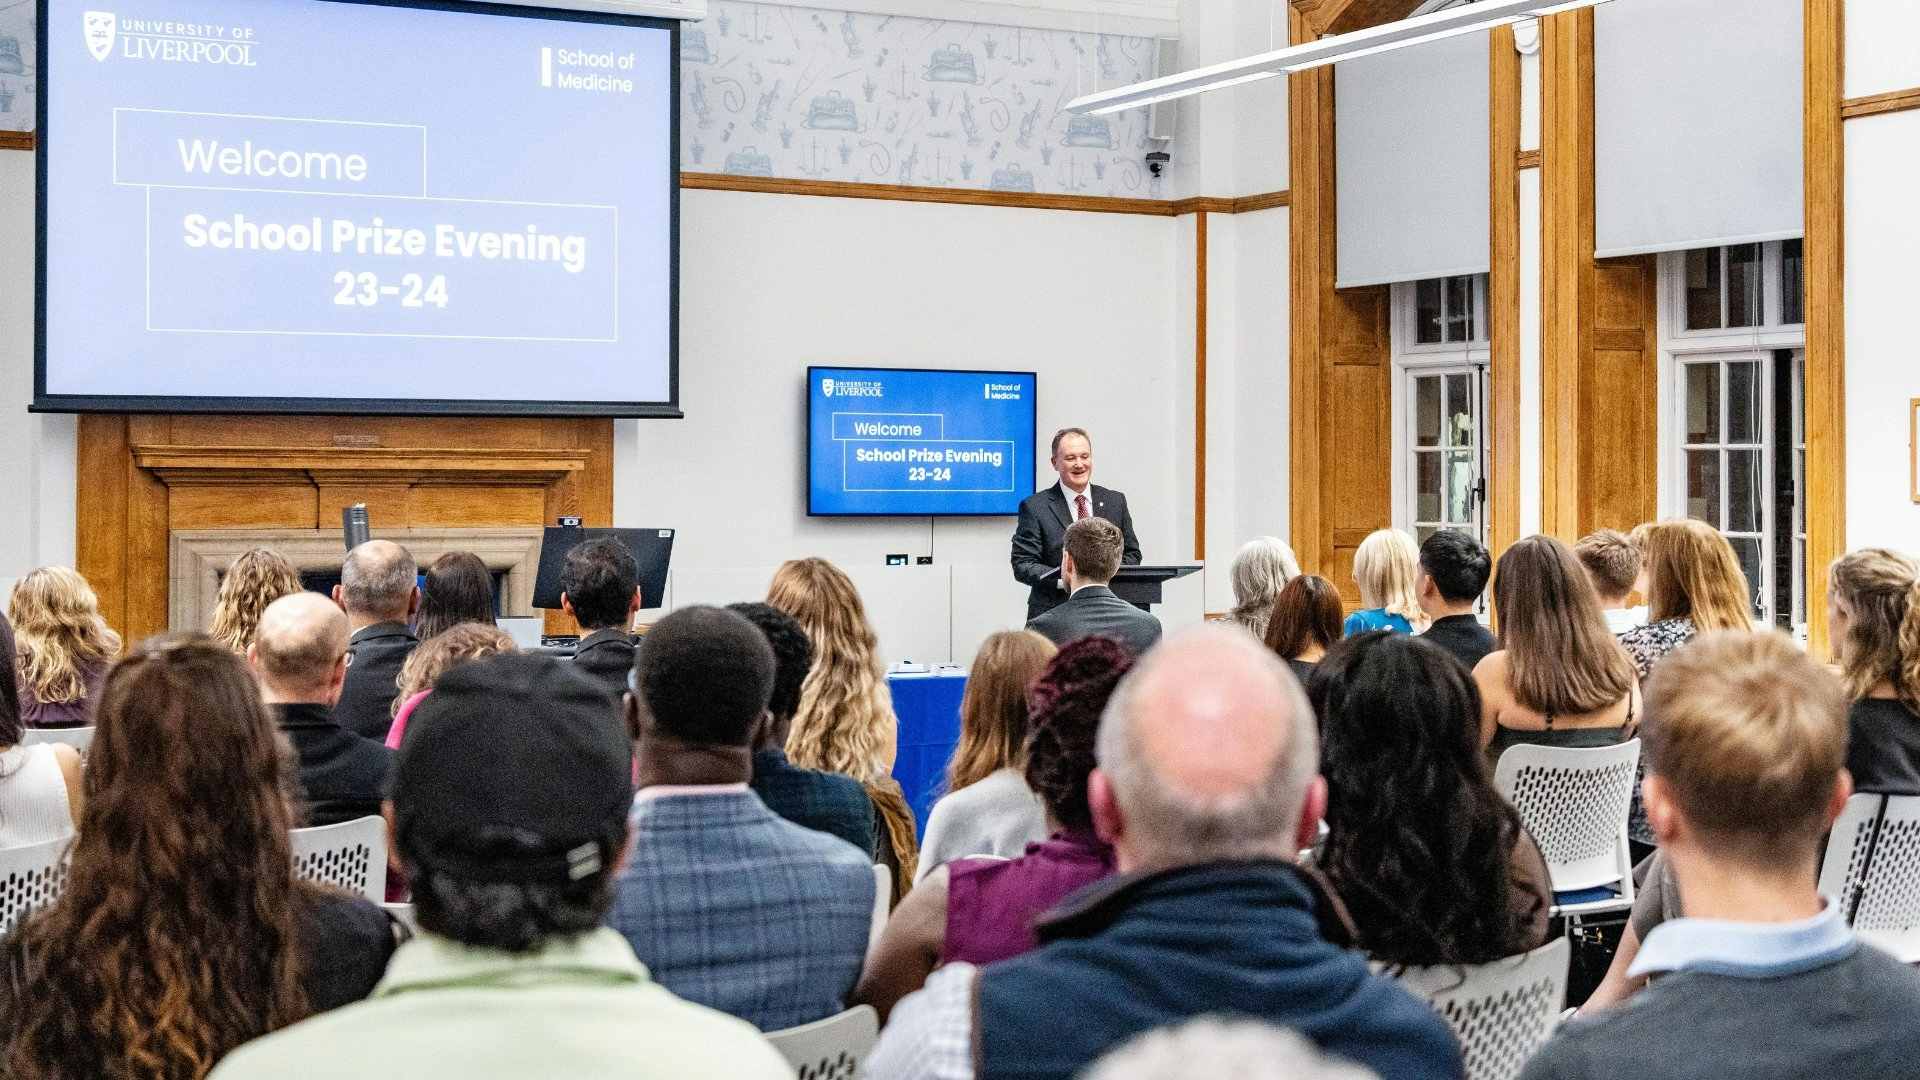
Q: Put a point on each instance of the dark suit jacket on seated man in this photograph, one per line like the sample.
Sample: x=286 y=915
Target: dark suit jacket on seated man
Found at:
x=379 y=588
x=300 y=655
x=600 y=588
x=1045 y=515
x=1092 y=558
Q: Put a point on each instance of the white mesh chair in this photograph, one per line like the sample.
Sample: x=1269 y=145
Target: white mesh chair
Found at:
x=882 y=904
x=1844 y=868
x=351 y=855
x=31 y=877
x=1501 y=1012
x=80 y=738
x=1574 y=803
x=403 y=914
x=1883 y=902
x=830 y=1049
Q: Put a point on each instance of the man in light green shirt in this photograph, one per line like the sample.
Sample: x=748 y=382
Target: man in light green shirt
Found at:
x=510 y=796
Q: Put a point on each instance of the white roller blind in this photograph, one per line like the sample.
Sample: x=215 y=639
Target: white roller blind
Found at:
x=1410 y=163
x=1697 y=123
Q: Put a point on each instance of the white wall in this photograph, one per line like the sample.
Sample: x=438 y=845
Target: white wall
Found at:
x=36 y=452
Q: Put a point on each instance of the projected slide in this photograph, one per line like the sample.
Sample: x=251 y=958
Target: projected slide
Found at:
x=885 y=441
x=294 y=199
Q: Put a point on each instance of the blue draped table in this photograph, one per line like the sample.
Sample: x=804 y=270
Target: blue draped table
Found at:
x=928 y=707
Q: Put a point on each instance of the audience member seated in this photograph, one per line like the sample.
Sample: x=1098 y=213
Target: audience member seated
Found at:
x=257 y=578
x=457 y=588
x=181 y=932
x=600 y=588
x=1261 y=568
x=1089 y=559
x=1305 y=623
x=63 y=647
x=435 y=657
x=822 y=801
x=1453 y=573
x=727 y=903
x=988 y=808
x=1559 y=678
x=1224 y=1049
x=300 y=654
x=1694 y=585
x=845 y=720
x=977 y=911
x=379 y=592
x=1384 y=568
x=510 y=804
x=1207 y=788
x=1432 y=864
x=1612 y=562
x=1746 y=742
x=40 y=790
x=1873 y=612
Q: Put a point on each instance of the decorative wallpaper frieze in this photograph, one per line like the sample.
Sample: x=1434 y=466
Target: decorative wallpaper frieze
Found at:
x=18 y=85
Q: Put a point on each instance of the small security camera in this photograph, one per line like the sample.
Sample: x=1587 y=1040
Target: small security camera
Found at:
x=1158 y=161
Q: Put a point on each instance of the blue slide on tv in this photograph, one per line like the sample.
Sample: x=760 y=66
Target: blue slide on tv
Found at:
x=909 y=443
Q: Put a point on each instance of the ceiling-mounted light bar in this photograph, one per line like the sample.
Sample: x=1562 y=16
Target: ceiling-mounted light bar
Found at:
x=1466 y=19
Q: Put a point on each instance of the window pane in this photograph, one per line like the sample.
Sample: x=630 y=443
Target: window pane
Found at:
x=1420 y=534
x=1426 y=312
x=1743 y=285
x=1459 y=309
x=1426 y=487
x=1800 y=590
x=1703 y=289
x=1459 y=411
x=1743 y=491
x=1459 y=488
x=1793 y=282
x=1743 y=402
x=1703 y=403
x=1800 y=492
x=1703 y=485
x=1747 y=550
x=1426 y=411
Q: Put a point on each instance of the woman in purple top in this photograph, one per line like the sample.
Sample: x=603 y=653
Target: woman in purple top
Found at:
x=983 y=910
x=63 y=647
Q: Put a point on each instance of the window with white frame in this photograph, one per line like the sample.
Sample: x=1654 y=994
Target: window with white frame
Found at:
x=1733 y=343
x=1440 y=353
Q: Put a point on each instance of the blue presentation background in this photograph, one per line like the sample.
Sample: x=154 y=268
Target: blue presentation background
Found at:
x=966 y=420
x=493 y=133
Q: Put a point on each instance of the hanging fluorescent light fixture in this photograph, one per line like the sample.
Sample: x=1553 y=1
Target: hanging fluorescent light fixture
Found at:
x=1466 y=19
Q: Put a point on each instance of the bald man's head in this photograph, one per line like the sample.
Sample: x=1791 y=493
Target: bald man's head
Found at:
x=378 y=583
x=1208 y=751
x=300 y=649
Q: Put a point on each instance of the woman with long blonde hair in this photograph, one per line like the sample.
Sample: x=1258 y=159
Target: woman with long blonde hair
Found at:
x=1387 y=568
x=62 y=647
x=845 y=721
x=1694 y=585
x=256 y=579
x=988 y=808
x=1873 y=618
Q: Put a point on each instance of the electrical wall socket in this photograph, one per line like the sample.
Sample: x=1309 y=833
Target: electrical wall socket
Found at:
x=897 y=560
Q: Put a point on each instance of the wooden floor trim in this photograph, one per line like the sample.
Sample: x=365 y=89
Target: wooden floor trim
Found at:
x=1021 y=200
x=1892 y=101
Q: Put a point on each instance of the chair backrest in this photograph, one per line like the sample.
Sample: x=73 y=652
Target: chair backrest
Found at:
x=1574 y=803
x=403 y=914
x=830 y=1049
x=1844 y=869
x=1501 y=1012
x=351 y=855
x=80 y=738
x=1886 y=906
x=31 y=877
x=882 y=903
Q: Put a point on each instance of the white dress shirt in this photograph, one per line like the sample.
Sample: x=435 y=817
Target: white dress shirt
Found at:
x=1073 y=511
x=930 y=1034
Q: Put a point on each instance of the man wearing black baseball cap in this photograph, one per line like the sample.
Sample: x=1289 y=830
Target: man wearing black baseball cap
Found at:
x=510 y=797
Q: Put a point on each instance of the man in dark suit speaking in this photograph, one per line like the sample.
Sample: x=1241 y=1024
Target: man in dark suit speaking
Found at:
x=1045 y=515
x=1091 y=560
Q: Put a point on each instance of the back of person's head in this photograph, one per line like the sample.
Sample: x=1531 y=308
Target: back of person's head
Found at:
x=704 y=676
x=1385 y=567
x=57 y=630
x=510 y=797
x=993 y=712
x=458 y=588
x=11 y=726
x=1458 y=564
x=1226 y=1049
x=175 y=938
x=1207 y=753
x=444 y=651
x=845 y=720
x=1561 y=658
x=257 y=578
x=599 y=581
x=1261 y=568
x=1693 y=573
x=1746 y=737
x=300 y=643
x=1065 y=703
x=792 y=654
x=1874 y=595
x=1612 y=562
x=1419 y=841
x=1095 y=545
x=377 y=581
x=1308 y=612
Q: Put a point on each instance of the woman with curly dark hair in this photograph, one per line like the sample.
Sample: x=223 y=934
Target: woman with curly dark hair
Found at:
x=982 y=910
x=181 y=932
x=1433 y=865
